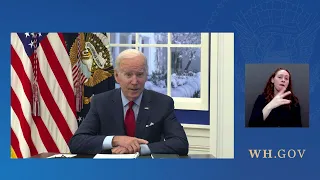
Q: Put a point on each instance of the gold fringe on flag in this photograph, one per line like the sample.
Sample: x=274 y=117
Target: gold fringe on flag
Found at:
x=13 y=154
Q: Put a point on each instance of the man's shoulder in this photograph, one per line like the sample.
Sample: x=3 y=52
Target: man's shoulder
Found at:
x=106 y=95
x=158 y=96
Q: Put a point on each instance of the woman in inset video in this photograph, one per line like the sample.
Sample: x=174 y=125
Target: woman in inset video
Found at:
x=277 y=106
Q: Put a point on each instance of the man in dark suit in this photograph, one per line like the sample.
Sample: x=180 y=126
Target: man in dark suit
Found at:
x=130 y=119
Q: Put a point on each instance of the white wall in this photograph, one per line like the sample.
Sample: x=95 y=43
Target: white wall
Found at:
x=218 y=137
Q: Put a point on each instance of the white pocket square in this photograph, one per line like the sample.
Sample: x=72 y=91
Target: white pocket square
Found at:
x=151 y=124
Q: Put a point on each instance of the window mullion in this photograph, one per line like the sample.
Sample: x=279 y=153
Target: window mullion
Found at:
x=137 y=43
x=169 y=65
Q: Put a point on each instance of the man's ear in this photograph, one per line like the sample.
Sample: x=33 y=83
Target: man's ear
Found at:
x=116 y=76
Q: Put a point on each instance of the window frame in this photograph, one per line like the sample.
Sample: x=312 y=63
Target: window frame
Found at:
x=222 y=95
x=182 y=103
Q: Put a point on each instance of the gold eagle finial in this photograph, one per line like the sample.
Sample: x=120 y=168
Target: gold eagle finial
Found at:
x=95 y=55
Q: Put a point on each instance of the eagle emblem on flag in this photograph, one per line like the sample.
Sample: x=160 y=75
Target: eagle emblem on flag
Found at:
x=91 y=61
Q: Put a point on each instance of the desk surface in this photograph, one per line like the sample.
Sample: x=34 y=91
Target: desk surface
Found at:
x=190 y=156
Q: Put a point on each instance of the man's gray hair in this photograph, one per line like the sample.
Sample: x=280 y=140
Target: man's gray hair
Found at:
x=130 y=53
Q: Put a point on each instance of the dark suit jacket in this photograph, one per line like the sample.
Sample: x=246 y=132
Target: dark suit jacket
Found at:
x=281 y=116
x=105 y=118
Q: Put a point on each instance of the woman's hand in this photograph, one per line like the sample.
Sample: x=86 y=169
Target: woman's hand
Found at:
x=279 y=100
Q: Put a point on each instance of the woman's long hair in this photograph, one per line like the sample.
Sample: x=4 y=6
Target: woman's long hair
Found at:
x=269 y=89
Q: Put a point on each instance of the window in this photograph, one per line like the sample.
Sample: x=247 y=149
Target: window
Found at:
x=178 y=64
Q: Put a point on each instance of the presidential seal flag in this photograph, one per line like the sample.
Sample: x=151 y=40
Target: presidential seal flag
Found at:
x=92 y=67
x=43 y=105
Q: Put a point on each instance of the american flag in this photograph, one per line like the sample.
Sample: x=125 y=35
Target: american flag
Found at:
x=42 y=59
x=78 y=77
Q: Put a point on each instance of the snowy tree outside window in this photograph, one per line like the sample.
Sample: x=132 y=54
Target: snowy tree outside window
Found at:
x=172 y=57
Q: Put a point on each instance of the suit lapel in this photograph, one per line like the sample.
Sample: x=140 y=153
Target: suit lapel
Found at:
x=118 y=110
x=143 y=116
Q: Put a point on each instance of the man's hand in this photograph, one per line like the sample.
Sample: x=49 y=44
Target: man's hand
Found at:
x=119 y=150
x=132 y=144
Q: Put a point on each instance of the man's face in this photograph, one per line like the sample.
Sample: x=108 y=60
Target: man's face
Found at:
x=131 y=75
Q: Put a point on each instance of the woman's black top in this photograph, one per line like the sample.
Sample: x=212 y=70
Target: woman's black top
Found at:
x=281 y=116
